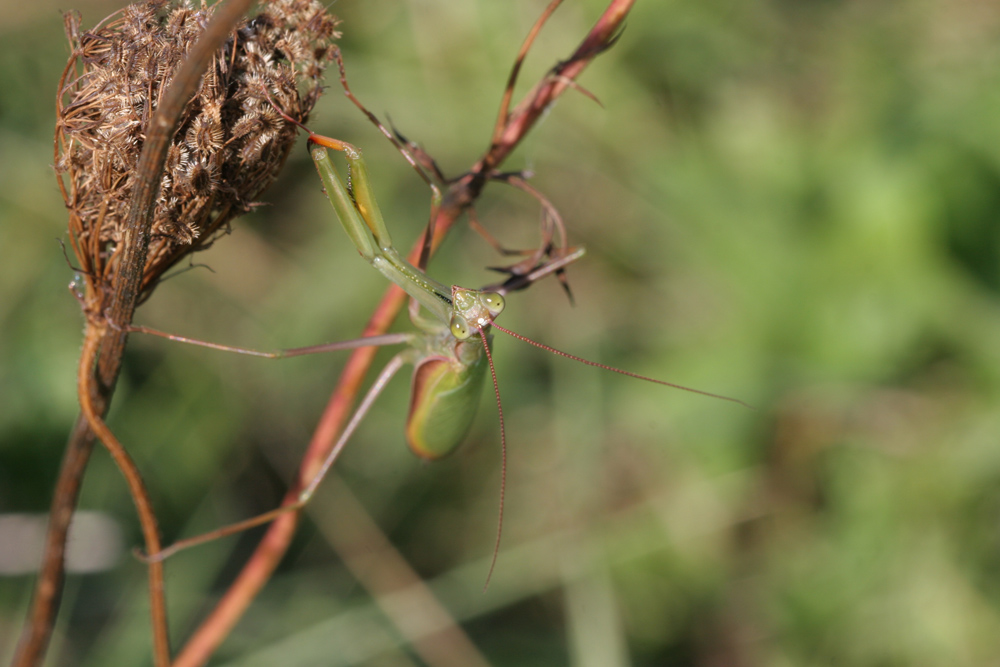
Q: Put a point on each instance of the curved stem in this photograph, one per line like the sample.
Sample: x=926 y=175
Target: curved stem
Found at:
x=140 y=496
x=504 y=115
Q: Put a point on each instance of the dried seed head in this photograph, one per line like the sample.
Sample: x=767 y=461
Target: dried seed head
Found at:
x=230 y=143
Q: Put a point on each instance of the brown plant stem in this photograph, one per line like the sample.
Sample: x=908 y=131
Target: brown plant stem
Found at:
x=460 y=195
x=97 y=382
x=48 y=590
x=140 y=496
x=520 y=121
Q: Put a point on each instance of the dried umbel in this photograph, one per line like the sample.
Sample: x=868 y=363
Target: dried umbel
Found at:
x=230 y=143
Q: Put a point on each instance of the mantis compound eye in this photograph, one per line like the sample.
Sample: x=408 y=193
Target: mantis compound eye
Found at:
x=459 y=327
x=493 y=302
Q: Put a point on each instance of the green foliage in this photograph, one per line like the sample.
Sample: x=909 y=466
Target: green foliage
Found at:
x=794 y=203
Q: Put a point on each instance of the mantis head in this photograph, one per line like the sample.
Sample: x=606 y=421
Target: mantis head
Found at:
x=473 y=310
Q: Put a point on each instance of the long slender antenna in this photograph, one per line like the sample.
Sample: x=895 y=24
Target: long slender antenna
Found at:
x=503 y=458
x=553 y=350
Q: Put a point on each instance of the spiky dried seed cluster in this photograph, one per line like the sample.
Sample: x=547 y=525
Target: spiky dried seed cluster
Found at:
x=230 y=143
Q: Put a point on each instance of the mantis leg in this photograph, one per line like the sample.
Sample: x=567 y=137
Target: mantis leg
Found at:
x=368 y=341
x=360 y=216
x=306 y=494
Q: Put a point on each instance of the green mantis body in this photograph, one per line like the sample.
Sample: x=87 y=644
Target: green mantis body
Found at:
x=449 y=364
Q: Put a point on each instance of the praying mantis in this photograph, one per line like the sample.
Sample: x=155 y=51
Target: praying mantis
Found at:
x=450 y=349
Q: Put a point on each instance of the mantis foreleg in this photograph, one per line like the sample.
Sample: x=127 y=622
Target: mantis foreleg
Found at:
x=360 y=216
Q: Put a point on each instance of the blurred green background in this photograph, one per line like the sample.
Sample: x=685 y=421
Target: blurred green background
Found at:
x=794 y=203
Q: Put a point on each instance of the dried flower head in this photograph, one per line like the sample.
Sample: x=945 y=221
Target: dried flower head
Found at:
x=230 y=143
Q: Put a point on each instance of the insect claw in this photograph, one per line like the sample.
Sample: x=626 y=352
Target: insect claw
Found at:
x=395 y=130
x=284 y=115
x=522 y=268
x=142 y=556
x=111 y=321
x=564 y=281
x=62 y=244
x=505 y=176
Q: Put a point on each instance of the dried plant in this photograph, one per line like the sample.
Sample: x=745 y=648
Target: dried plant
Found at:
x=230 y=143
x=120 y=111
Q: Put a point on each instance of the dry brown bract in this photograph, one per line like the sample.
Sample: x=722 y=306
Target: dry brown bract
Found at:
x=230 y=143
